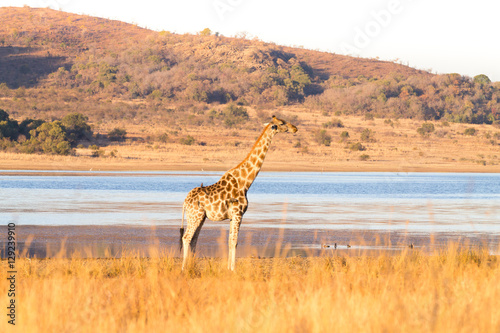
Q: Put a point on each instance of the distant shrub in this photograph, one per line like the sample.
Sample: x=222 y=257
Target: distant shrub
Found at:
x=188 y=140
x=344 y=135
x=234 y=115
x=96 y=151
x=163 y=138
x=364 y=157
x=426 y=129
x=334 y=123
x=470 y=131
x=357 y=147
x=367 y=135
x=117 y=134
x=113 y=153
x=369 y=116
x=322 y=137
x=441 y=133
x=389 y=122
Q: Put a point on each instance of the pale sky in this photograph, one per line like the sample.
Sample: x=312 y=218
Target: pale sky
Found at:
x=444 y=36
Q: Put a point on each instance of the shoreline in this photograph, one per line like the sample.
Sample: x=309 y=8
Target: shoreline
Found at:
x=108 y=241
x=71 y=163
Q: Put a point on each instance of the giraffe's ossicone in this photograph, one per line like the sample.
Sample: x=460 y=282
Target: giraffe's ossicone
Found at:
x=227 y=199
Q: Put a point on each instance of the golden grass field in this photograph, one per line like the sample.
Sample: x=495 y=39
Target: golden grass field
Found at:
x=396 y=147
x=453 y=290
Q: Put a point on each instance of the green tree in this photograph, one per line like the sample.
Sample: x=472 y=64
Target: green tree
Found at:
x=481 y=79
x=27 y=125
x=76 y=127
x=3 y=115
x=49 y=138
x=8 y=128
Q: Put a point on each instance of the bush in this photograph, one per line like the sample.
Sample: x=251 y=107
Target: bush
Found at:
x=367 y=135
x=322 y=137
x=188 y=140
x=344 y=135
x=96 y=151
x=357 y=147
x=334 y=123
x=426 y=129
x=163 y=138
x=234 y=115
x=117 y=134
x=470 y=131
x=364 y=157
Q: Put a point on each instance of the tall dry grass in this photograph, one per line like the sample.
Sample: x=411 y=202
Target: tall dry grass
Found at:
x=455 y=290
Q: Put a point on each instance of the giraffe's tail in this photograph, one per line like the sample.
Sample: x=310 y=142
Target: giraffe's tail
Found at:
x=182 y=229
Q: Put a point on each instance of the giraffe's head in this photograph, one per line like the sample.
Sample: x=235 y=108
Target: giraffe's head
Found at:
x=281 y=126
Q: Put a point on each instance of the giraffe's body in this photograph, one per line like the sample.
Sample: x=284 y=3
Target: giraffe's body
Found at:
x=227 y=199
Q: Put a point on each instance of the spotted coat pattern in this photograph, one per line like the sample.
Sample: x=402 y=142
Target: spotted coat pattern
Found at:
x=227 y=199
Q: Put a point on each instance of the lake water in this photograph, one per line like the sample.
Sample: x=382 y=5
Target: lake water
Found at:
x=461 y=205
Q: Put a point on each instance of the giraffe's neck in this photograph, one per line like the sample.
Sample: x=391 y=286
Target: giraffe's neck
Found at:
x=249 y=168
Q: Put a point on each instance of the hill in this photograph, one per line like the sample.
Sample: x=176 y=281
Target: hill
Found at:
x=74 y=58
x=197 y=101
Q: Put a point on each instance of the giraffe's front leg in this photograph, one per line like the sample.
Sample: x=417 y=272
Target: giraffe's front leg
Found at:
x=234 y=228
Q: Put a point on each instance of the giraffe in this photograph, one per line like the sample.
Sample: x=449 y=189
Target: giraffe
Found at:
x=227 y=199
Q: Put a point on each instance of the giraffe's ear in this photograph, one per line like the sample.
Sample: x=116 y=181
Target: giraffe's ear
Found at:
x=266 y=124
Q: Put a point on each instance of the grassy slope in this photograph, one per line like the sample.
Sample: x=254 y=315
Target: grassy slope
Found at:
x=47 y=40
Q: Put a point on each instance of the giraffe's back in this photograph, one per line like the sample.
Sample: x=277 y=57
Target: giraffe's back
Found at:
x=219 y=201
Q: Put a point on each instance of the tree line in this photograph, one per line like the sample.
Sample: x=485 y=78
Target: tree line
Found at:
x=58 y=137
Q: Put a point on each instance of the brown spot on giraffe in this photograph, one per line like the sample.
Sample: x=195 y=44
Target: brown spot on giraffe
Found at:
x=227 y=199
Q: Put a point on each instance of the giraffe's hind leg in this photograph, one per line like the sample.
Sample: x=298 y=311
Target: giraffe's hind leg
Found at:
x=190 y=237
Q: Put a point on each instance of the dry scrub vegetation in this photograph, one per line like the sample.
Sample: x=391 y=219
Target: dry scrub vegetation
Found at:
x=454 y=290
x=198 y=101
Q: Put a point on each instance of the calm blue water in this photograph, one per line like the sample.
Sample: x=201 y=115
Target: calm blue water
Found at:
x=414 y=202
